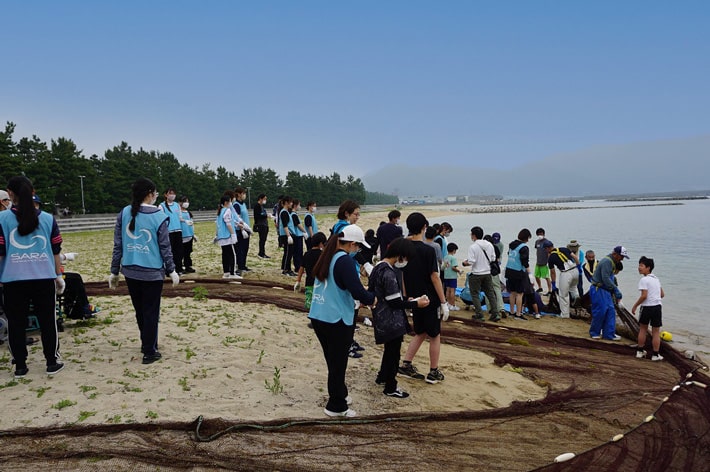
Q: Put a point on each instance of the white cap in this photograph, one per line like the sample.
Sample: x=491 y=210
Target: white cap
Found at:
x=4 y=195
x=354 y=234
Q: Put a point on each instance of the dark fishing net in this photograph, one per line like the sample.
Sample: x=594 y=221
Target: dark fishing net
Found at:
x=596 y=391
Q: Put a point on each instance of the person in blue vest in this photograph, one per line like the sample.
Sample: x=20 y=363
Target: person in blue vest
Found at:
x=337 y=286
x=188 y=234
x=310 y=223
x=226 y=237
x=286 y=231
x=516 y=271
x=298 y=233
x=172 y=209
x=603 y=292
x=30 y=271
x=141 y=252
x=240 y=206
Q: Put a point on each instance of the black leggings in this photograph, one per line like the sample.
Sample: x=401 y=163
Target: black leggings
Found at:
x=229 y=259
x=176 y=247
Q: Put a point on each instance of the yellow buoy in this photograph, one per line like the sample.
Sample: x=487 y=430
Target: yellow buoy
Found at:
x=666 y=336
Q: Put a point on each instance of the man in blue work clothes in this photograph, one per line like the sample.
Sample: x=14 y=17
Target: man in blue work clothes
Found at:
x=603 y=292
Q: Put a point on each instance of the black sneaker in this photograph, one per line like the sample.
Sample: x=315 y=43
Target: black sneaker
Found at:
x=409 y=371
x=495 y=318
x=245 y=269
x=55 y=368
x=21 y=372
x=478 y=318
x=189 y=270
x=434 y=376
x=398 y=393
x=356 y=347
x=354 y=354
x=380 y=381
x=539 y=290
x=150 y=358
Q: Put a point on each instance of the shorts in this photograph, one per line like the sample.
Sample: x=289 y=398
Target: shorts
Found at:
x=651 y=315
x=542 y=272
x=426 y=320
x=515 y=280
x=450 y=283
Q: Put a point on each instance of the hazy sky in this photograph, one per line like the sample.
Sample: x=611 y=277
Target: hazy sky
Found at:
x=323 y=86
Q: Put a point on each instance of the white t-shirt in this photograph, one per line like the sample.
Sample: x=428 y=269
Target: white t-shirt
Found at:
x=652 y=285
x=479 y=264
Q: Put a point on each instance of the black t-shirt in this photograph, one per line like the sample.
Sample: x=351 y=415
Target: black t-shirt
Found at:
x=556 y=261
x=417 y=273
x=387 y=233
x=260 y=216
x=308 y=263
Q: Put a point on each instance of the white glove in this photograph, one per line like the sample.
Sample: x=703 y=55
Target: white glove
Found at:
x=174 y=277
x=289 y=239
x=70 y=256
x=194 y=238
x=113 y=281
x=60 y=284
x=233 y=238
x=190 y=222
x=444 y=311
x=297 y=287
x=368 y=268
x=248 y=229
x=245 y=234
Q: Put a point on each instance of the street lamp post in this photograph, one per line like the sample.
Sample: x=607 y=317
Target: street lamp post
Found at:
x=249 y=197
x=83 y=207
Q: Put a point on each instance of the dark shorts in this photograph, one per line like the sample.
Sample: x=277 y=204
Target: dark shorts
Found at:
x=426 y=320
x=450 y=283
x=651 y=315
x=515 y=280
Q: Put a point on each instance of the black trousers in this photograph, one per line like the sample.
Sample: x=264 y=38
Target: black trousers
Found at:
x=335 y=339
x=187 y=254
x=263 y=231
x=242 y=248
x=390 y=363
x=297 y=252
x=17 y=298
x=288 y=254
x=145 y=296
x=176 y=247
x=229 y=259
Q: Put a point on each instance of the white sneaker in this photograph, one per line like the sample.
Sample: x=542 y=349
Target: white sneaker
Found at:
x=616 y=338
x=349 y=400
x=640 y=354
x=225 y=275
x=234 y=277
x=349 y=413
x=657 y=358
x=454 y=308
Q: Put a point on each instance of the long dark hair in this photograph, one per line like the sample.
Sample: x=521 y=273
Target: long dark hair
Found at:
x=320 y=270
x=140 y=189
x=223 y=199
x=167 y=203
x=26 y=212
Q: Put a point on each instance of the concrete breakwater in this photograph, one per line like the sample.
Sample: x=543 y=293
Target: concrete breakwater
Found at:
x=526 y=208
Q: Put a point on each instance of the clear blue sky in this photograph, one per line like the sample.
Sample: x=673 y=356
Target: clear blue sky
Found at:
x=324 y=86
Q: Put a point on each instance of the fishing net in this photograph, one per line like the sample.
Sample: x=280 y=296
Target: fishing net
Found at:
x=596 y=392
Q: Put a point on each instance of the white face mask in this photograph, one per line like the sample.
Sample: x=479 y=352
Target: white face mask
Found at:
x=540 y=237
x=154 y=199
x=171 y=198
x=7 y=205
x=401 y=264
x=185 y=205
x=314 y=209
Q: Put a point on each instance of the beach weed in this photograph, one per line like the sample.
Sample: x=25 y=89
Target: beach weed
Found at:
x=275 y=385
x=261 y=356
x=151 y=414
x=11 y=383
x=183 y=383
x=40 y=391
x=84 y=415
x=189 y=353
x=199 y=293
x=63 y=404
x=518 y=341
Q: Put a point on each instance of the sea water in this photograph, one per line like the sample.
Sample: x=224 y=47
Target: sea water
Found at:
x=675 y=234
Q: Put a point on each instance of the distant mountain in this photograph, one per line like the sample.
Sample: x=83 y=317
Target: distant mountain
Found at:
x=655 y=166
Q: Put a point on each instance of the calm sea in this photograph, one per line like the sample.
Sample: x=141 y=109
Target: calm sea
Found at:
x=675 y=236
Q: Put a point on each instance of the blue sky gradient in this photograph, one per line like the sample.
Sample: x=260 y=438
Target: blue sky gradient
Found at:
x=323 y=86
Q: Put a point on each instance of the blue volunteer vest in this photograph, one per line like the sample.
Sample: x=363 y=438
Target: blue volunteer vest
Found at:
x=282 y=232
x=314 y=223
x=338 y=226
x=242 y=210
x=330 y=303
x=296 y=230
x=173 y=214
x=222 y=228
x=514 y=259
x=187 y=230
x=140 y=246
x=27 y=257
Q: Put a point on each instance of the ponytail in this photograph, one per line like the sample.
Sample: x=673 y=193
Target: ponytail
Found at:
x=140 y=189
x=320 y=270
x=26 y=215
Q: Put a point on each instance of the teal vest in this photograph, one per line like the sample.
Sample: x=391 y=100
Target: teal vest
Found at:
x=27 y=257
x=296 y=230
x=222 y=228
x=330 y=303
x=314 y=224
x=187 y=230
x=514 y=259
x=282 y=231
x=140 y=246
x=174 y=214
